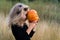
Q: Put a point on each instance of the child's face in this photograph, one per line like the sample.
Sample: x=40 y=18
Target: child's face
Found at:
x=24 y=13
x=18 y=13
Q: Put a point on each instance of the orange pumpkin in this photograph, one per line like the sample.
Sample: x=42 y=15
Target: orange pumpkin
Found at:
x=32 y=15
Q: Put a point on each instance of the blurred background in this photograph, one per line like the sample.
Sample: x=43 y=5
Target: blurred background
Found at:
x=48 y=27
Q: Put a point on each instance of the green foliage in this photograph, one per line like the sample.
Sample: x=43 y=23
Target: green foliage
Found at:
x=47 y=9
x=24 y=1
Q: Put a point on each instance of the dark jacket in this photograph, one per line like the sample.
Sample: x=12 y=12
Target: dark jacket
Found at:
x=20 y=33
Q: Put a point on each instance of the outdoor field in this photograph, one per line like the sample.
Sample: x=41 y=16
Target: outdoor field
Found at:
x=48 y=27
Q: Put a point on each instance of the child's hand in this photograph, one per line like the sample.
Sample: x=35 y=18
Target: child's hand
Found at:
x=31 y=26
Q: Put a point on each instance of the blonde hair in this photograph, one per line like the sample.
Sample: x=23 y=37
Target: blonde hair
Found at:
x=13 y=18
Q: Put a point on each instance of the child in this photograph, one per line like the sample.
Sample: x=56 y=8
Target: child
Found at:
x=17 y=18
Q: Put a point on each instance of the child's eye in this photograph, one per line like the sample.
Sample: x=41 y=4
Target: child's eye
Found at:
x=25 y=9
x=20 y=5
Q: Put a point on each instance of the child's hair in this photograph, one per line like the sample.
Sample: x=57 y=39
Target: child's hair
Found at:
x=15 y=13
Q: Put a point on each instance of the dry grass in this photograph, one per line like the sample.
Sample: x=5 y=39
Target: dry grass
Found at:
x=45 y=30
x=5 y=32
